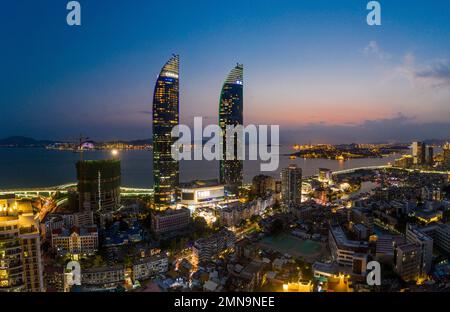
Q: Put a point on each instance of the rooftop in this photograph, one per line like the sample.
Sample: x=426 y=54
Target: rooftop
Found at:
x=342 y=240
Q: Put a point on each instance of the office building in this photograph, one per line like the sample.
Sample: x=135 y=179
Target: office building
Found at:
x=165 y=117
x=231 y=113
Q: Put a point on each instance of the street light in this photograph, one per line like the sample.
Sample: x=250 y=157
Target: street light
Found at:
x=114 y=152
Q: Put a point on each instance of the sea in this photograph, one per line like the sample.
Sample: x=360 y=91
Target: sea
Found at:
x=40 y=167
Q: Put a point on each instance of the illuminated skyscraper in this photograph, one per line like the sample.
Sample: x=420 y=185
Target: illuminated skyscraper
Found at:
x=165 y=117
x=231 y=108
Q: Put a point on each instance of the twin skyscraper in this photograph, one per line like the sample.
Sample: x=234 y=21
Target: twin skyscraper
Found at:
x=166 y=107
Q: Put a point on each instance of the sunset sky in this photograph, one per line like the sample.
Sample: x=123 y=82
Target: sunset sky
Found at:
x=314 y=67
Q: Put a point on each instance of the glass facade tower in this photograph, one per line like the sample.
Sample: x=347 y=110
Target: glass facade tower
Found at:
x=165 y=117
x=231 y=108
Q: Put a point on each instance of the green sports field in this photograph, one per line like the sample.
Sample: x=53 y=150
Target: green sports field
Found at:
x=286 y=243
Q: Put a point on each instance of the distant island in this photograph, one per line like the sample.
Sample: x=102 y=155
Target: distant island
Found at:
x=348 y=151
x=21 y=141
x=322 y=151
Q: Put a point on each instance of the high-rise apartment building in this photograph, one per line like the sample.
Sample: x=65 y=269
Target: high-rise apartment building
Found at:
x=291 y=185
x=418 y=153
x=21 y=267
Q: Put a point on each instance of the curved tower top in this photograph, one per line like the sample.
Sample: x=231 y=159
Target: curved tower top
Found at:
x=171 y=68
x=236 y=75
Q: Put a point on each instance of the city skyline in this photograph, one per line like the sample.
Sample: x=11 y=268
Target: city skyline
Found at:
x=342 y=81
x=133 y=160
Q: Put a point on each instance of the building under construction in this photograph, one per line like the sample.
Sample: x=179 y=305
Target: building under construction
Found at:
x=99 y=185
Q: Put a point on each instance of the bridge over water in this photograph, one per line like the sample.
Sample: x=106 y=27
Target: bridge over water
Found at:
x=63 y=189
x=352 y=170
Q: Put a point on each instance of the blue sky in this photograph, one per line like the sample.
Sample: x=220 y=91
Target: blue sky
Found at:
x=313 y=67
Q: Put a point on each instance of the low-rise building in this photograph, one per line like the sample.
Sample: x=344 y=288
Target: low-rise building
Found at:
x=75 y=241
x=145 y=268
x=344 y=250
x=252 y=276
x=59 y=221
x=201 y=193
x=425 y=242
x=443 y=237
x=209 y=247
x=407 y=261
x=440 y=233
x=363 y=216
x=233 y=214
x=103 y=276
x=170 y=220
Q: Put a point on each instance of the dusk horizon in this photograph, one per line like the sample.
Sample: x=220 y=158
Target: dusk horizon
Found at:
x=386 y=84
